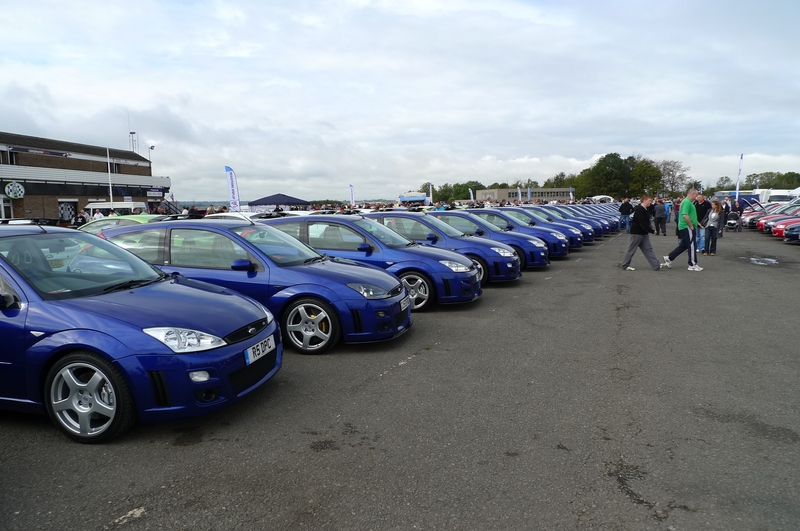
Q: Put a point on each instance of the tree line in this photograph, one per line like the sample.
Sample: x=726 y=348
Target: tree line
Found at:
x=618 y=177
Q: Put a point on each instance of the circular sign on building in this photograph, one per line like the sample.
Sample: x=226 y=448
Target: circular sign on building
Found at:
x=14 y=190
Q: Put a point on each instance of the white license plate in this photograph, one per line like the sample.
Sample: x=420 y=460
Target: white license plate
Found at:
x=56 y=263
x=404 y=303
x=259 y=349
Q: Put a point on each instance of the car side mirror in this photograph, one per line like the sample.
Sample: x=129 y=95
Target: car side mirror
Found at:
x=432 y=238
x=10 y=301
x=509 y=227
x=243 y=264
x=479 y=232
x=364 y=248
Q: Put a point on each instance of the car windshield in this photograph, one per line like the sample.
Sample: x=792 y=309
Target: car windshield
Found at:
x=444 y=227
x=556 y=213
x=72 y=265
x=281 y=248
x=386 y=235
x=537 y=215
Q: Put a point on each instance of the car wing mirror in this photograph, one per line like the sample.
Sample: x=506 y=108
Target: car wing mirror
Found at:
x=479 y=232
x=509 y=227
x=432 y=238
x=364 y=248
x=243 y=264
x=10 y=301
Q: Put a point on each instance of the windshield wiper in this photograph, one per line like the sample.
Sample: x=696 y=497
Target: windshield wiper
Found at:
x=320 y=258
x=128 y=284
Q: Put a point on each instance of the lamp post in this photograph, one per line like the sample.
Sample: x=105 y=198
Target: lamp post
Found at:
x=150 y=153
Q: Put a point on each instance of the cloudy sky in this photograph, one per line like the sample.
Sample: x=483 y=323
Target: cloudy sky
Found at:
x=307 y=97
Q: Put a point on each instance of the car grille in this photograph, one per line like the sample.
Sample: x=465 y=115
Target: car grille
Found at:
x=447 y=290
x=358 y=327
x=399 y=318
x=160 y=390
x=252 y=374
x=246 y=332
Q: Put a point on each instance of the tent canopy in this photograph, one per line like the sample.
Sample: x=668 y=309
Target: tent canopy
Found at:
x=279 y=199
x=413 y=196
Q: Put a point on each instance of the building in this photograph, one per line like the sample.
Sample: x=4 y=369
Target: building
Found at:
x=53 y=179
x=543 y=195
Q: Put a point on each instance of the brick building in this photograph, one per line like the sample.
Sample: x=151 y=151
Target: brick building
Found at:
x=54 y=179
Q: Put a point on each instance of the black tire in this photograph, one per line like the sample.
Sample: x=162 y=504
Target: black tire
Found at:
x=483 y=269
x=88 y=398
x=420 y=290
x=523 y=263
x=310 y=325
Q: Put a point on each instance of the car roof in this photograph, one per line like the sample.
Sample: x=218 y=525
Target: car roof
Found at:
x=17 y=230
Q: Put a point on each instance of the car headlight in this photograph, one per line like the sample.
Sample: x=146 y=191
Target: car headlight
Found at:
x=503 y=252
x=183 y=340
x=368 y=290
x=575 y=231
x=539 y=243
x=586 y=227
x=455 y=266
x=558 y=235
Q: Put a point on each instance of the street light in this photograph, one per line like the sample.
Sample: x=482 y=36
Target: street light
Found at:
x=149 y=154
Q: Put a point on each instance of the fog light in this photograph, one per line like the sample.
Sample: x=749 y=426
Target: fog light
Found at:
x=199 y=376
x=381 y=314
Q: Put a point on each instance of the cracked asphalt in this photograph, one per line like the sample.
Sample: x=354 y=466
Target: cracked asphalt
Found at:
x=581 y=397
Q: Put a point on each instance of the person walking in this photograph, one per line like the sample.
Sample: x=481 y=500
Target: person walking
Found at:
x=660 y=217
x=713 y=222
x=625 y=211
x=668 y=210
x=726 y=209
x=687 y=228
x=640 y=237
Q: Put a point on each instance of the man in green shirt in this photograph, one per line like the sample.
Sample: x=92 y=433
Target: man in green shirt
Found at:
x=687 y=230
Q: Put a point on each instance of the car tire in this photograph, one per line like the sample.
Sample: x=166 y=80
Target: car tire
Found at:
x=88 y=398
x=310 y=325
x=523 y=263
x=483 y=269
x=420 y=290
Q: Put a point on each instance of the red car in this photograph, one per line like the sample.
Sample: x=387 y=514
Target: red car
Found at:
x=779 y=228
x=785 y=211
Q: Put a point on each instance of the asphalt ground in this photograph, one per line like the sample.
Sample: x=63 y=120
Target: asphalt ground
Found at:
x=580 y=397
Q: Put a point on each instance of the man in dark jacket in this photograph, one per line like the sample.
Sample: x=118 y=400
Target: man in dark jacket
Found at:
x=640 y=237
x=625 y=210
x=660 y=217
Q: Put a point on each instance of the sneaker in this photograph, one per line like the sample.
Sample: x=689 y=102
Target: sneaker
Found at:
x=695 y=268
x=713 y=254
x=705 y=254
x=629 y=269
x=662 y=266
x=667 y=262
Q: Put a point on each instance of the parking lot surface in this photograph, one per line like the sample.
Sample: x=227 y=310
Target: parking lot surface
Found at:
x=580 y=397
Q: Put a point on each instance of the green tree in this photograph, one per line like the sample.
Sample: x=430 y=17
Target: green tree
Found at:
x=674 y=176
x=724 y=183
x=496 y=185
x=461 y=190
x=610 y=175
x=645 y=178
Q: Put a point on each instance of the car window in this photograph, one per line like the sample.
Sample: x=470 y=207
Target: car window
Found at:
x=146 y=244
x=204 y=249
x=387 y=236
x=292 y=229
x=332 y=236
x=281 y=248
x=462 y=224
x=520 y=216
x=494 y=219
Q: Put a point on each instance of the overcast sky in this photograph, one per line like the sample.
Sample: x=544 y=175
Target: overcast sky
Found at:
x=307 y=97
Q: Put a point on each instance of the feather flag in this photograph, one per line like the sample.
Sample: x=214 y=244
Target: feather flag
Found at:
x=233 y=189
x=352 y=197
x=738 y=177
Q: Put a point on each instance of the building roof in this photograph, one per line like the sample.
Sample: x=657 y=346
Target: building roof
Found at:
x=49 y=144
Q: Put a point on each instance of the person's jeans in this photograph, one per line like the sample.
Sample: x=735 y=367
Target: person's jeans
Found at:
x=661 y=225
x=625 y=221
x=711 y=239
x=701 y=239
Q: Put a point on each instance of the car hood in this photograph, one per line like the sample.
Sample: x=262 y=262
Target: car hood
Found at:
x=426 y=252
x=343 y=271
x=178 y=302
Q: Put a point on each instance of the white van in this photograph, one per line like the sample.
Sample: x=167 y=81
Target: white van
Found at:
x=123 y=208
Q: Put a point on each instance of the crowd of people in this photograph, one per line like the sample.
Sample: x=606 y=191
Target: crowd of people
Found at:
x=699 y=223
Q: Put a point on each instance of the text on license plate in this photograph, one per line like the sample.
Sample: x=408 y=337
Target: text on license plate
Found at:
x=259 y=349
x=56 y=263
x=404 y=303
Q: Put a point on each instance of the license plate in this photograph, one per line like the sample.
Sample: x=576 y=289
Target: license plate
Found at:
x=404 y=303
x=259 y=349
x=56 y=263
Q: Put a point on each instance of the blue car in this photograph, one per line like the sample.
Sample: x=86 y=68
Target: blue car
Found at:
x=102 y=347
x=568 y=213
x=496 y=261
x=583 y=232
x=431 y=275
x=532 y=251
x=317 y=301
x=557 y=241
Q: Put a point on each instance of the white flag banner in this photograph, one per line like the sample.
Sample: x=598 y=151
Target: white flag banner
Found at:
x=571 y=194
x=430 y=193
x=529 y=194
x=519 y=194
x=471 y=196
x=233 y=189
x=738 y=177
x=352 y=197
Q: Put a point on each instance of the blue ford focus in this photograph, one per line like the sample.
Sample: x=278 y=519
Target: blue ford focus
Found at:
x=532 y=251
x=431 y=275
x=101 y=347
x=318 y=301
x=497 y=261
x=558 y=243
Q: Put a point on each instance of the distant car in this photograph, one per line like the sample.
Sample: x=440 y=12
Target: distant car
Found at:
x=98 y=351
x=431 y=275
x=532 y=251
x=317 y=301
x=496 y=261
x=779 y=228
x=96 y=225
x=558 y=243
x=791 y=234
x=577 y=234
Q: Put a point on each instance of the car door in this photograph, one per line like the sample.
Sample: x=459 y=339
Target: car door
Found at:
x=207 y=255
x=14 y=340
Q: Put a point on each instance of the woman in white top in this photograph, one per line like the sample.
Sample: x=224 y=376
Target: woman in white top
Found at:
x=712 y=223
